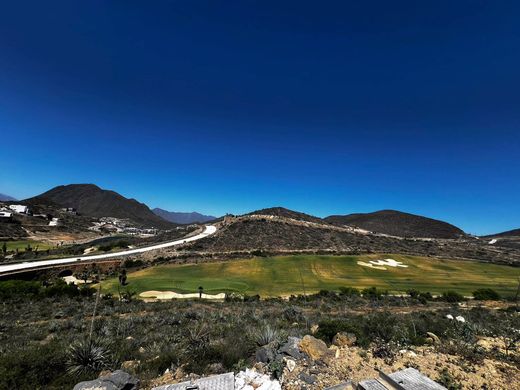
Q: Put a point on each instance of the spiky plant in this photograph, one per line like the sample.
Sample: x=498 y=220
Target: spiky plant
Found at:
x=87 y=357
x=266 y=335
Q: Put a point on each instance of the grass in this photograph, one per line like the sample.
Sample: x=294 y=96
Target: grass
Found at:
x=278 y=276
x=21 y=245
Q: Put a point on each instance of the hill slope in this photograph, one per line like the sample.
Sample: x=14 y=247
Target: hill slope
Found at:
x=182 y=218
x=397 y=223
x=6 y=198
x=509 y=233
x=286 y=213
x=90 y=200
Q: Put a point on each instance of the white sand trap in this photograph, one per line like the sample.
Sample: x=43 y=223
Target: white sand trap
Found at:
x=174 y=295
x=389 y=263
x=371 y=265
x=382 y=264
x=72 y=279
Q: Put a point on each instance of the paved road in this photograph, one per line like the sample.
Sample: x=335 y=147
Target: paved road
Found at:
x=45 y=263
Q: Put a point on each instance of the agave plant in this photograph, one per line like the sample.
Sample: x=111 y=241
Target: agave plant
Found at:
x=87 y=357
x=266 y=335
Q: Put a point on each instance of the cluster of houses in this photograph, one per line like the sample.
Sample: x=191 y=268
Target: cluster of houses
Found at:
x=7 y=211
x=118 y=225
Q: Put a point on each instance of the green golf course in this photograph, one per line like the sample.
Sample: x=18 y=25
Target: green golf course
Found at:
x=285 y=275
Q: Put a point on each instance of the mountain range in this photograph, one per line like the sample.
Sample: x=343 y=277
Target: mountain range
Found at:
x=90 y=200
x=183 y=218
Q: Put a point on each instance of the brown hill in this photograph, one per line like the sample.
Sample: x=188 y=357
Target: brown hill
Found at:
x=249 y=235
x=397 y=223
x=90 y=200
x=286 y=213
x=509 y=233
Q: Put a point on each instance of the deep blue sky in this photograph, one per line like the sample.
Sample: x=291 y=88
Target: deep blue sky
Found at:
x=324 y=107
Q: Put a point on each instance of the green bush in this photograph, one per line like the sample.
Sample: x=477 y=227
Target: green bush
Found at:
x=451 y=296
x=18 y=288
x=373 y=293
x=486 y=294
x=349 y=292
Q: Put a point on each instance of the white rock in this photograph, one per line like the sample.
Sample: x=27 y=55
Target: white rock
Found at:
x=291 y=365
x=460 y=319
x=251 y=380
x=449 y=316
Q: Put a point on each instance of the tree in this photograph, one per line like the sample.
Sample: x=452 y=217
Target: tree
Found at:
x=4 y=248
x=201 y=289
x=122 y=278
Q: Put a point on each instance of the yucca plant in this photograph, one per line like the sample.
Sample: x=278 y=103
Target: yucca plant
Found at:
x=266 y=335
x=87 y=357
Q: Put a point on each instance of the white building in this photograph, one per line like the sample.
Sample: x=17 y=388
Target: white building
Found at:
x=18 y=208
x=5 y=214
x=53 y=222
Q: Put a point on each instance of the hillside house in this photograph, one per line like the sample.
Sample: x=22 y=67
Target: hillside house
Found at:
x=19 y=208
x=5 y=215
x=54 y=222
x=70 y=210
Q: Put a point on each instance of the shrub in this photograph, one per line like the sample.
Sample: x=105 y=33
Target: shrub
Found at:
x=349 y=292
x=33 y=367
x=372 y=293
x=266 y=335
x=18 y=288
x=87 y=357
x=451 y=296
x=486 y=294
x=327 y=329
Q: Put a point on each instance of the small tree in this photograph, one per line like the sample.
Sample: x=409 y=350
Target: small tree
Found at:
x=201 y=289
x=4 y=248
x=122 y=277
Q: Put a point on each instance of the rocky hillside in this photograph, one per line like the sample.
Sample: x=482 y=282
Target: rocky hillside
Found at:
x=92 y=201
x=183 y=218
x=283 y=235
x=397 y=223
x=286 y=213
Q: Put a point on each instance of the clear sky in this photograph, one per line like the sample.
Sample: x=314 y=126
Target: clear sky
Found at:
x=324 y=107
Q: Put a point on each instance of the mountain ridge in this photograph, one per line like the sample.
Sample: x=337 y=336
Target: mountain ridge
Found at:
x=182 y=217
x=398 y=223
x=6 y=198
x=93 y=201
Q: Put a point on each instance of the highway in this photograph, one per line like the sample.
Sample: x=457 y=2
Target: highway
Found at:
x=34 y=265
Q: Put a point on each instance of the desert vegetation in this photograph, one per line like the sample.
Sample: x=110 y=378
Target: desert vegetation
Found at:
x=53 y=335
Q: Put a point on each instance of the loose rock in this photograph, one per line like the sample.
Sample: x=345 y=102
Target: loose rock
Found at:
x=314 y=348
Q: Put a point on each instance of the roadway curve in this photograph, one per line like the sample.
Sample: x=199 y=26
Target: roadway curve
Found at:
x=34 y=265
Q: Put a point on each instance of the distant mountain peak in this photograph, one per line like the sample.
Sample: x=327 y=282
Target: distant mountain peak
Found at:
x=182 y=217
x=93 y=201
x=6 y=198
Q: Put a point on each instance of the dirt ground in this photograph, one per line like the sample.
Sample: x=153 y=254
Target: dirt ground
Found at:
x=355 y=364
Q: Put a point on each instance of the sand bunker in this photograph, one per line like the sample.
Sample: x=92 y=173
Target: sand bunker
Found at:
x=174 y=295
x=382 y=264
x=72 y=279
